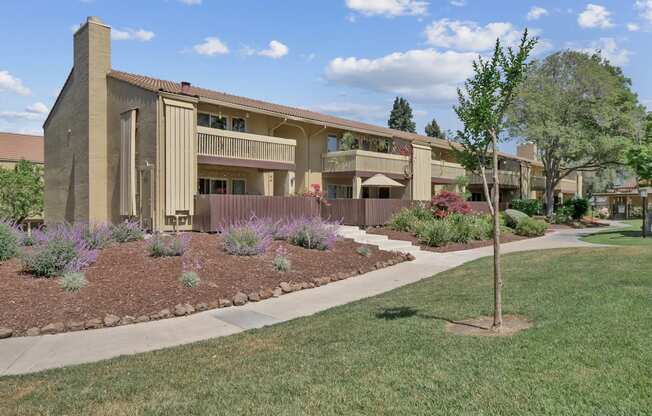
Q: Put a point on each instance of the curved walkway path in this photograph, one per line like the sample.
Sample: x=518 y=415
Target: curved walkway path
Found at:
x=30 y=354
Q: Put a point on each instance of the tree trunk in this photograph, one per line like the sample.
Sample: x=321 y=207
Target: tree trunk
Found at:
x=498 y=278
x=550 y=198
x=485 y=188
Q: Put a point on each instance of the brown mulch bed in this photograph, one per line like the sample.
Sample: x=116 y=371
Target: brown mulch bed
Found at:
x=126 y=281
x=407 y=236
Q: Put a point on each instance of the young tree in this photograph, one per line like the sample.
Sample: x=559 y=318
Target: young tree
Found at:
x=401 y=116
x=580 y=112
x=21 y=191
x=433 y=130
x=481 y=108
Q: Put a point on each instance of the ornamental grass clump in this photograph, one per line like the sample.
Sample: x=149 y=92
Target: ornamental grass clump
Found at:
x=364 y=251
x=168 y=245
x=281 y=262
x=436 y=233
x=407 y=218
x=246 y=239
x=312 y=233
x=8 y=242
x=189 y=279
x=128 y=230
x=72 y=281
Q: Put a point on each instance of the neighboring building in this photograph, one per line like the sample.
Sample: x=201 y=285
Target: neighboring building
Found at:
x=15 y=147
x=623 y=200
x=124 y=145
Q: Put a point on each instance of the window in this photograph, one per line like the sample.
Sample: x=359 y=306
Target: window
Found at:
x=238 y=124
x=365 y=192
x=331 y=145
x=383 y=193
x=209 y=186
x=238 y=187
x=212 y=121
x=339 y=191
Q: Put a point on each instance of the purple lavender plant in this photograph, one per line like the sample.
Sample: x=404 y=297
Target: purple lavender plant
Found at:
x=312 y=233
x=247 y=239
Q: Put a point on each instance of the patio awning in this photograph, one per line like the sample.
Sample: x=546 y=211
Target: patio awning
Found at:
x=380 y=180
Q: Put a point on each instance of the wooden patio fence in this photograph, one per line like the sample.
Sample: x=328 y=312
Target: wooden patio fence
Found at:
x=215 y=211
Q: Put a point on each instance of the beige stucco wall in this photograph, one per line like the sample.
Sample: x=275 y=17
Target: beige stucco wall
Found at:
x=123 y=97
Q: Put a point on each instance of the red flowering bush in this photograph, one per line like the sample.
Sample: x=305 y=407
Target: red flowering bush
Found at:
x=316 y=192
x=446 y=203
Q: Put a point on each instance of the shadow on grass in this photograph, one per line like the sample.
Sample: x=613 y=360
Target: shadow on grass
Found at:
x=401 y=312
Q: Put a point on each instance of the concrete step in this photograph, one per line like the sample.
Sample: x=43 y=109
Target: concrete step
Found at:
x=372 y=238
x=395 y=245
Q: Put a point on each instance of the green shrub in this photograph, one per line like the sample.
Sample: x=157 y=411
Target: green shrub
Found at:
x=436 y=233
x=563 y=215
x=463 y=227
x=407 y=218
x=168 y=246
x=530 y=227
x=282 y=264
x=483 y=228
x=528 y=206
x=189 y=279
x=363 y=251
x=72 y=281
x=578 y=207
x=51 y=259
x=8 y=242
x=513 y=217
x=127 y=231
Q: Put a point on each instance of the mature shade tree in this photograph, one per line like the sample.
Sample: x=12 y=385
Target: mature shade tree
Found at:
x=433 y=130
x=401 y=116
x=481 y=109
x=581 y=113
x=21 y=191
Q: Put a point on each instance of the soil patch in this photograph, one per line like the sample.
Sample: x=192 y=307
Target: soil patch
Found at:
x=126 y=281
x=481 y=327
x=407 y=236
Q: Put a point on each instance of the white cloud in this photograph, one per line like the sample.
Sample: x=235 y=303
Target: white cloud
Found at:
x=645 y=6
x=275 y=50
x=633 y=27
x=211 y=46
x=458 y=3
x=609 y=49
x=595 y=16
x=37 y=108
x=424 y=74
x=355 y=111
x=36 y=111
x=140 y=35
x=388 y=8
x=10 y=83
x=536 y=13
x=470 y=36
x=191 y=2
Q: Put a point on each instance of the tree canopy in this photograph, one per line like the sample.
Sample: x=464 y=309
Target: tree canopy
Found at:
x=21 y=191
x=581 y=113
x=433 y=130
x=401 y=116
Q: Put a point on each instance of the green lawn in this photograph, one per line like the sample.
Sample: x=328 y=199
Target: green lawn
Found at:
x=630 y=236
x=589 y=353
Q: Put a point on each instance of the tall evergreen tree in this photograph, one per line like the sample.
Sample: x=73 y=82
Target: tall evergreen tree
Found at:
x=433 y=130
x=401 y=116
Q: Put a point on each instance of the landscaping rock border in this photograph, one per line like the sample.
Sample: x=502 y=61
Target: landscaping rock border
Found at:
x=239 y=299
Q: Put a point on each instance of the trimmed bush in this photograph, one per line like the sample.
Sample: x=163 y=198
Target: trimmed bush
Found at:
x=529 y=227
x=436 y=233
x=51 y=259
x=446 y=203
x=8 y=242
x=189 y=279
x=168 y=245
x=563 y=215
x=127 y=231
x=364 y=251
x=72 y=281
x=311 y=233
x=530 y=207
x=513 y=217
x=578 y=207
x=246 y=239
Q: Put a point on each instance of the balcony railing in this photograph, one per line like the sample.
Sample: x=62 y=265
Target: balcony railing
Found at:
x=447 y=170
x=505 y=178
x=567 y=186
x=244 y=146
x=365 y=161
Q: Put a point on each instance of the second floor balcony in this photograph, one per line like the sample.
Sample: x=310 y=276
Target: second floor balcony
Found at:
x=364 y=161
x=506 y=178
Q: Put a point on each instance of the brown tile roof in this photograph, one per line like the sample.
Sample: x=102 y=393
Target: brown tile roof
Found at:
x=155 y=85
x=14 y=147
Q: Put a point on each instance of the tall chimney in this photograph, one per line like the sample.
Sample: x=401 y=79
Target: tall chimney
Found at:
x=185 y=87
x=527 y=151
x=92 y=62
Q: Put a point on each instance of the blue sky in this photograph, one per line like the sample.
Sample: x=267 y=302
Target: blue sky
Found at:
x=346 y=57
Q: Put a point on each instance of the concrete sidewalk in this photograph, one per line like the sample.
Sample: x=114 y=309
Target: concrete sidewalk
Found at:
x=30 y=354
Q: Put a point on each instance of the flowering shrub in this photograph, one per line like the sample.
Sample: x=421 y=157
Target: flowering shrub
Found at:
x=128 y=230
x=311 y=233
x=603 y=213
x=316 y=192
x=8 y=242
x=446 y=203
x=168 y=245
x=281 y=262
x=97 y=236
x=246 y=239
